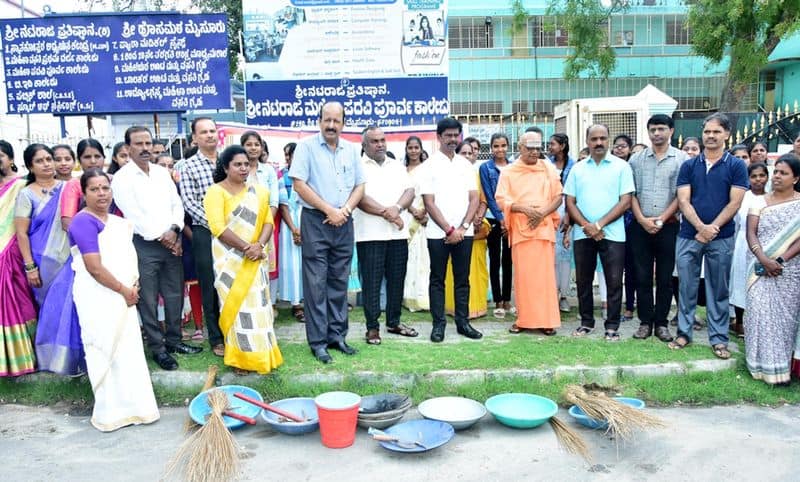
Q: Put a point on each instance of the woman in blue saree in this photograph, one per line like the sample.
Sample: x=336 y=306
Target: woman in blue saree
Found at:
x=45 y=252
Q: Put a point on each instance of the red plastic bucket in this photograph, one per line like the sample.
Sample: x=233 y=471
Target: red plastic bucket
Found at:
x=338 y=414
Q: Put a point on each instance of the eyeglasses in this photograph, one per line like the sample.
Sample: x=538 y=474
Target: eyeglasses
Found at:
x=621 y=146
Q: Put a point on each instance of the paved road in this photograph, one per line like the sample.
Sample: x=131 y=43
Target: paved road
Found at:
x=722 y=443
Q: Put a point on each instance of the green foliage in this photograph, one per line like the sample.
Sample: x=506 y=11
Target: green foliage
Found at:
x=234 y=10
x=748 y=30
x=586 y=21
x=519 y=17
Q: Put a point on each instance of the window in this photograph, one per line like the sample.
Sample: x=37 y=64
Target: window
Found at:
x=547 y=32
x=476 y=108
x=677 y=32
x=519 y=107
x=470 y=33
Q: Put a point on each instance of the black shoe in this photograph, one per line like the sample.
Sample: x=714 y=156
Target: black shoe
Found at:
x=644 y=332
x=343 y=347
x=467 y=330
x=184 y=349
x=437 y=334
x=663 y=334
x=322 y=354
x=165 y=361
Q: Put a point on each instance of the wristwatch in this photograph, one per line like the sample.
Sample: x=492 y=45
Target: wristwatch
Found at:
x=465 y=226
x=658 y=222
x=175 y=228
x=780 y=260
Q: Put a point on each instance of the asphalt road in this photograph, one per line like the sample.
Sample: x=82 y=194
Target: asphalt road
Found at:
x=720 y=443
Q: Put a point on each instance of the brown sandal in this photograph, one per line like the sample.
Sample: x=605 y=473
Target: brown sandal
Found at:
x=515 y=329
x=721 y=351
x=299 y=314
x=403 y=330
x=678 y=343
x=547 y=331
x=373 y=337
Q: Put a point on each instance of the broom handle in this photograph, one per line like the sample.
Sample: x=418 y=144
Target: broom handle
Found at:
x=211 y=376
x=265 y=406
x=240 y=417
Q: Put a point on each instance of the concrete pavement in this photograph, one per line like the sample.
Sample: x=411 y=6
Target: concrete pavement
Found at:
x=719 y=443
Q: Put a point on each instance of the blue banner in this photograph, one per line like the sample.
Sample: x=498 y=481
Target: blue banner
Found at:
x=390 y=102
x=116 y=63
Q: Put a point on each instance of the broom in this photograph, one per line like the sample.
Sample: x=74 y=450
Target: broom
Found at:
x=570 y=440
x=623 y=420
x=211 y=378
x=210 y=454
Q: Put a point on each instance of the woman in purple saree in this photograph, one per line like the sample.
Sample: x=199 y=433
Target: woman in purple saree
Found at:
x=45 y=252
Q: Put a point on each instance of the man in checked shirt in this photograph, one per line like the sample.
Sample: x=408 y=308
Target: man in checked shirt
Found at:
x=197 y=175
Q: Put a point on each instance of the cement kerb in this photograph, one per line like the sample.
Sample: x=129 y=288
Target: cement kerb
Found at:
x=604 y=375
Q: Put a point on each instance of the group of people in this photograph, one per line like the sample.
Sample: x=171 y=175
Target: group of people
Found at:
x=86 y=262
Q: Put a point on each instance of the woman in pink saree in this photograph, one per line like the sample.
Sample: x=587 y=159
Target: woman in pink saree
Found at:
x=17 y=311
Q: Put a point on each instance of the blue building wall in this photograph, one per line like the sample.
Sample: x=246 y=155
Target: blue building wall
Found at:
x=505 y=76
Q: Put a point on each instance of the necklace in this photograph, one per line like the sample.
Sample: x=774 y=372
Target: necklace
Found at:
x=49 y=189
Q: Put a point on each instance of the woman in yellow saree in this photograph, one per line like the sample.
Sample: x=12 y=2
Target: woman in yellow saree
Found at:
x=241 y=223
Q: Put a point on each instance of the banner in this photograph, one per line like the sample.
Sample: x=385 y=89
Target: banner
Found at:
x=386 y=61
x=116 y=63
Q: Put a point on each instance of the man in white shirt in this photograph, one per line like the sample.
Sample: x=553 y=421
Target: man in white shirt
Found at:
x=450 y=192
x=381 y=234
x=148 y=197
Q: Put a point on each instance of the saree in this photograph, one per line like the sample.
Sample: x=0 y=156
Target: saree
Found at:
x=478 y=278
x=58 y=338
x=243 y=286
x=17 y=311
x=415 y=288
x=123 y=392
x=290 y=281
x=772 y=309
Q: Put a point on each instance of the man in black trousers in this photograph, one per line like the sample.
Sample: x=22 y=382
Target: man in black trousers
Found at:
x=147 y=195
x=327 y=175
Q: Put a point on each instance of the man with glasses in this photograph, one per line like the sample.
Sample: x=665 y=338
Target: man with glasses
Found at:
x=529 y=193
x=598 y=193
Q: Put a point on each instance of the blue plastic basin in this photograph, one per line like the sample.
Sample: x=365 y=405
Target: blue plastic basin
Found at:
x=199 y=409
x=303 y=407
x=521 y=410
x=594 y=424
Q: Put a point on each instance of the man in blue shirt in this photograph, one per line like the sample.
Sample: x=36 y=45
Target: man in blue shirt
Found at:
x=327 y=175
x=711 y=187
x=598 y=193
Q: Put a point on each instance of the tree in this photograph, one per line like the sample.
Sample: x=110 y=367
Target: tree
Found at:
x=234 y=10
x=747 y=30
x=586 y=24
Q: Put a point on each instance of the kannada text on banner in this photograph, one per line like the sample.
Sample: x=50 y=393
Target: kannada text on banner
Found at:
x=116 y=63
x=385 y=60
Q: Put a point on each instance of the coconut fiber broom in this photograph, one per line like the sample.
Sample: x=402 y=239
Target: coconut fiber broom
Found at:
x=623 y=420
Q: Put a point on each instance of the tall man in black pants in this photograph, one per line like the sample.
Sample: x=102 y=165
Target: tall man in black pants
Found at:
x=450 y=192
x=327 y=175
x=655 y=229
x=197 y=175
x=381 y=234
x=147 y=195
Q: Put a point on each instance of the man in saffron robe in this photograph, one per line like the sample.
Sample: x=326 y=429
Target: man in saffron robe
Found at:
x=529 y=192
